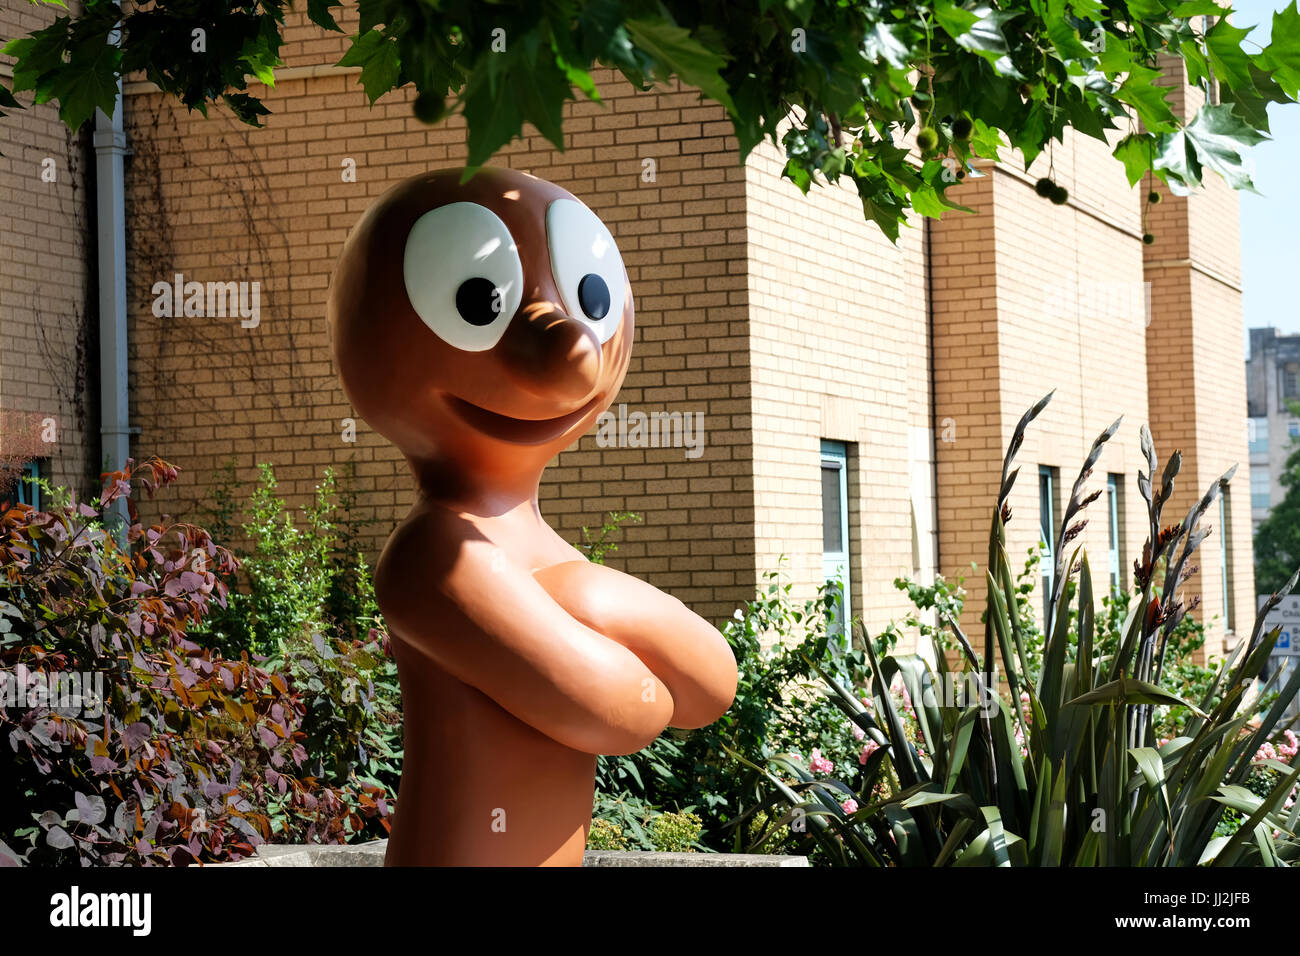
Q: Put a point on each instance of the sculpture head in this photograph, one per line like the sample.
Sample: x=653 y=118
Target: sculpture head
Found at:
x=480 y=326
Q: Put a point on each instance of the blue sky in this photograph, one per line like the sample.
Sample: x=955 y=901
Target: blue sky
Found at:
x=1269 y=220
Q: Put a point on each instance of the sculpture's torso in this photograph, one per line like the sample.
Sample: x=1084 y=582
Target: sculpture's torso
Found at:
x=479 y=786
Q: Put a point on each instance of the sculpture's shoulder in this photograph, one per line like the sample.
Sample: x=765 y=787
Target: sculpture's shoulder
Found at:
x=417 y=561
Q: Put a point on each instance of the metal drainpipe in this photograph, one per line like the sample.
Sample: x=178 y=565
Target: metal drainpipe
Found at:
x=110 y=240
x=934 y=411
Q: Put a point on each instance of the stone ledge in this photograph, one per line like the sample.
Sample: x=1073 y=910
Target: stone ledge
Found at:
x=372 y=854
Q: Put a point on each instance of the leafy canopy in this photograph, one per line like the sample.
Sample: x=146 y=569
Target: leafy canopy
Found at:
x=852 y=76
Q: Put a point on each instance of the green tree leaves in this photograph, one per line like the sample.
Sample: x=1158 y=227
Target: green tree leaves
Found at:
x=1149 y=100
x=1277 y=539
x=1281 y=59
x=1230 y=62
x=89 y=81
x=71 y=62
x=841 y=85
x=674 y=52
x=377 y=55
x=1215 y=139
x=319 y=12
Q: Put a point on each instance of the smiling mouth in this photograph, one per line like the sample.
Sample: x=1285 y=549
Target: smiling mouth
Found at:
x=517 y=431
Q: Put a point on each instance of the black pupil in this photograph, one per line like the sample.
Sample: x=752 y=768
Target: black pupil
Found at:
x=477 y=301
x=593 y=296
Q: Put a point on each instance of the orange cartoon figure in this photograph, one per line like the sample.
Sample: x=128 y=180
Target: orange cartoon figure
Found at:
x=482 y=327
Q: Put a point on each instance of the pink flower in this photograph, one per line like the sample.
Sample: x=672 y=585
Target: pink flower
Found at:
x=818 y=763
x=1291 y=747
x=1265 y=752
x=870 y=748
x=1026 y=707
x=908 y=709
x=849 y=806
x=858 y=732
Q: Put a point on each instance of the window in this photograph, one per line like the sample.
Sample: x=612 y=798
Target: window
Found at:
x=1225 y=558
x=1261 y=488
x=1258 y=436
x=1113 y=511
x=1047 y=531
x=835 y=530
x=1291 y=382
x=29 y=493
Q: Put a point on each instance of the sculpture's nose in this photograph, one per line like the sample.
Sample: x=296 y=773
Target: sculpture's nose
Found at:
x=550 y=354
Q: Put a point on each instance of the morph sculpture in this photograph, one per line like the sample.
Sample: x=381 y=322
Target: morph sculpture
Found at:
x=482 y=327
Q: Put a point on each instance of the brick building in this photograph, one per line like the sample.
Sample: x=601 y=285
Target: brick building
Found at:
x=47 y=296
x=856 y=395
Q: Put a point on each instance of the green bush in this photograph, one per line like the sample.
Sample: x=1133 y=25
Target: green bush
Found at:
x=622 y=822
x=947 y=600
x=305 y=602
x=779 y=642
x=606 y=836
x=1076 y=774
x=163 y=751
x=676 y=832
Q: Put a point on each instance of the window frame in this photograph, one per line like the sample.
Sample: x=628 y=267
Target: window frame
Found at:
x=1261 y=488
x=1047 y=532
x=1259 y=436
x=1288 y=374
x=27 y=493
x=1115 y=541
x=835 y=456
x=1225 y=561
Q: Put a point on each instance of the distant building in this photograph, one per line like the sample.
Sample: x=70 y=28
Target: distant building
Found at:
x=1272 y=383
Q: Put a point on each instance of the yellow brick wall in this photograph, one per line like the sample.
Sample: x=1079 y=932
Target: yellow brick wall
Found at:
x=967 y=408
x=783 y=319
x=1198 y=379
x=46 y=300
x=838 y=349
x=1083 y=263
x=217 y=201
x=1221 y=443
x=1032 y=297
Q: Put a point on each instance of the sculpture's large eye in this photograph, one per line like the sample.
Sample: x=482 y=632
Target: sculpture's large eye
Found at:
x=587 y=267
x=463 y=276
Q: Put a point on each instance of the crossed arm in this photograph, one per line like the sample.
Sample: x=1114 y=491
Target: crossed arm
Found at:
x=677 y=645
x=593 y=658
